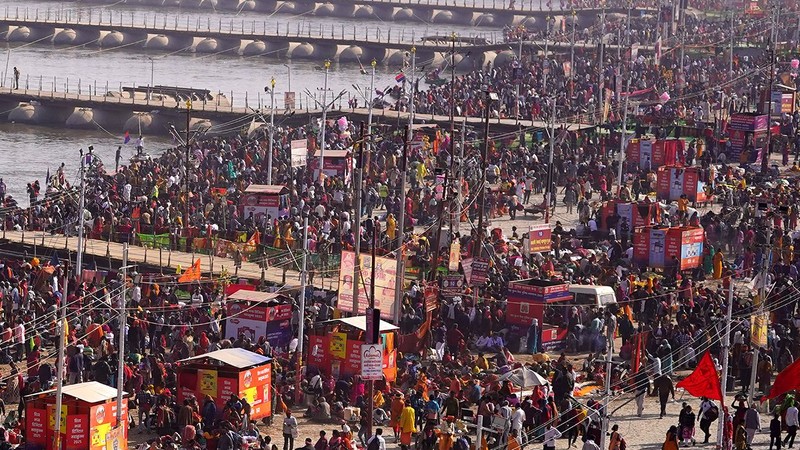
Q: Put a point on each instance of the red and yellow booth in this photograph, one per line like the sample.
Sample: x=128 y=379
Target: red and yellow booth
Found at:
x=226 y=372
x=88 y=418
x=335 y=347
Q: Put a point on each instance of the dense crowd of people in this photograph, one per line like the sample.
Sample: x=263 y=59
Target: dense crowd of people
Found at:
x=472 y=357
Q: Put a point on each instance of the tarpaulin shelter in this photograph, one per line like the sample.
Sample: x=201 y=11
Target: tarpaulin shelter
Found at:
x=226 y=372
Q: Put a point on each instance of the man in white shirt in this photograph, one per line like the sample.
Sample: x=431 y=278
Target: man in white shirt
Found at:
x=550 y=436
x=791 y=425
x=517 y=419
x=381 y=443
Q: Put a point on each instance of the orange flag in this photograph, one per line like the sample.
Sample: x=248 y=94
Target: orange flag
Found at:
x=704 y=381
x=191 y=274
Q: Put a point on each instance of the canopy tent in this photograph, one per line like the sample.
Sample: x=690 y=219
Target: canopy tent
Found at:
x=524 y=378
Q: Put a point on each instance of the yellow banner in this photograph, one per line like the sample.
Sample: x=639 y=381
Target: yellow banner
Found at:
x=338 y=347
x=759 y=330
x=100 y=434
x=208 y=382
x=52 y=417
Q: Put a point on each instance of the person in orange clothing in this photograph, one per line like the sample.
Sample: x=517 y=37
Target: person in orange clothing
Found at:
x=513 y=441
x=396 y=410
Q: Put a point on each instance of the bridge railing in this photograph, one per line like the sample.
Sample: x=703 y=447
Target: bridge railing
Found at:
x=499 y=5
x=239 y=28
x=95 y=91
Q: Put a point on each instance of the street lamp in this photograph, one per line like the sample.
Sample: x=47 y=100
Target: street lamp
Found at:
x=271 y=127
x=324 y=121
x=152 y=77
x=289 y=69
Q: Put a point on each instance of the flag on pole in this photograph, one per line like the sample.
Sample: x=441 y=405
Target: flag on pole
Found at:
x=400 y=77
x=787 y=380
x=704 y=380
x=191 y=274
x=127 y=137
x=658 y=51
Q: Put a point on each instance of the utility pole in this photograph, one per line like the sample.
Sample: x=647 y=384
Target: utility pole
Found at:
x=733 y=37
x=271 y=128
x=768 y=95
x=726 y=345
x=681 y=72
x=398 y=287
x=375 y=318
x=301 y=325
x=358 y=186
x=327 y=66
x=459 y=196
x=81 y=208
x=451 y=150
x=401 y=221
x=186 y=176
x=572 y=55
x=546 y=64
x=601 y=63
x=62 y=346
x=760 y=314
x=122 y=320
x=623 y=135
x=552 y=136
x=476 y=248
x=357 y=183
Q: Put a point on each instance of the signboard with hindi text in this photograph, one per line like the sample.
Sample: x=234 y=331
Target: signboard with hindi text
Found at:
x=371 y=362
x=540 y=238
x=299 y=152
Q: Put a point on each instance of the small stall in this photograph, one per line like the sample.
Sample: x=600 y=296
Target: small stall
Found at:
x=338 y=163
x=255 y=314
x=226 y=372
x=637 y=214
x=674 y=181
x=647 y=154
x=264 y=200
x=335 y=347
x=746 y=132
x=88 y=418
x=528 y=300
x=659 y=247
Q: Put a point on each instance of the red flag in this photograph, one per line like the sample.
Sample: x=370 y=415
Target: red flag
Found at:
x=704 y=381
x=787 y=380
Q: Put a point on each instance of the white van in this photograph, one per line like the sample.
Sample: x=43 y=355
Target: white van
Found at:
x=591 y=295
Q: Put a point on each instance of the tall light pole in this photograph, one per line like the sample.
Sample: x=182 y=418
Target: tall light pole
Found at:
x=572 y=55
x=152 y=76
x=324 y=121
x=271 y=128
x=123 y=318
x=552 y=132
x=289 y=70
x=601 y=63
x=477 y=247
x=401 y=220
x=357 y=186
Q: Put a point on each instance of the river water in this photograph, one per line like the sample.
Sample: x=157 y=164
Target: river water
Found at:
x=26 y=152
